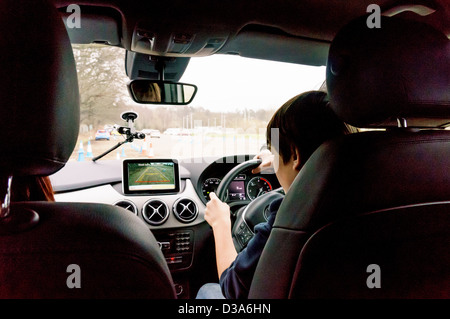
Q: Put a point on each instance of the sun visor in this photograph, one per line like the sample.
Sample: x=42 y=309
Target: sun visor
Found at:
x=273 y=44
x=92 y=25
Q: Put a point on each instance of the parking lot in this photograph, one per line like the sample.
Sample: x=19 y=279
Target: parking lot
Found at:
x=169 y=146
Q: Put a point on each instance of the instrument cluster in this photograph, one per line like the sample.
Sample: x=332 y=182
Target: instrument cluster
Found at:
x=243 y=187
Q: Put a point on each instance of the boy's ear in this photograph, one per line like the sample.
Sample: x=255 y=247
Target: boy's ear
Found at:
x=296 y=163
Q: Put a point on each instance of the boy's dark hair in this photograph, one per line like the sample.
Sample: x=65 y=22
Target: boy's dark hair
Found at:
x=305 y=122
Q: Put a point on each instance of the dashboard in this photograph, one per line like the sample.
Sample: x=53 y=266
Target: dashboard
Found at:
x=177 y=187
x=256 y=186
x=170 y=197
x=244 y=188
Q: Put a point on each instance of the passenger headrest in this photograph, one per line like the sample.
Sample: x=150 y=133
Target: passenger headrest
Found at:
x=400 y=70
x=39 y=110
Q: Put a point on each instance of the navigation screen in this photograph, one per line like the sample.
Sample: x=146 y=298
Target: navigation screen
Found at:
x=150 y=176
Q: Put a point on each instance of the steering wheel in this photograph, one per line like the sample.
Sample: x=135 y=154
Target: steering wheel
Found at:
x=252 y=214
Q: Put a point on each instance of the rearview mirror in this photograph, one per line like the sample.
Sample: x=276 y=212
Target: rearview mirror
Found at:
x=161 y=92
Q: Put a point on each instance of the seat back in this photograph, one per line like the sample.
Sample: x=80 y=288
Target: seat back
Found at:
x=395 y=253
x=82 y=251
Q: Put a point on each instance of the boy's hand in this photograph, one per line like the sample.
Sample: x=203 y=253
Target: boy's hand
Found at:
x=217 y=213
x=266 y=165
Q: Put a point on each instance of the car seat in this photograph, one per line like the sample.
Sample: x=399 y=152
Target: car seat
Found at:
x=368 y=216
x=47 y=249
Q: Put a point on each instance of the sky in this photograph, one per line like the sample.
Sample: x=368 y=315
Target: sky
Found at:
x=233 y=82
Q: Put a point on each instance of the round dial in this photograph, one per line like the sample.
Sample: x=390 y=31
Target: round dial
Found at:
x=258 y=186
x=210 y=185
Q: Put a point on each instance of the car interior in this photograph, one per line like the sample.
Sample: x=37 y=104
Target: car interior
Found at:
x=375 y=199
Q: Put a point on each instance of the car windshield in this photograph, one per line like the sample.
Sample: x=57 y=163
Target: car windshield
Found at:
x=236 y=98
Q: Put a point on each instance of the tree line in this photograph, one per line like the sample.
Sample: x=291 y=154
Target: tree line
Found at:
x=104 y=96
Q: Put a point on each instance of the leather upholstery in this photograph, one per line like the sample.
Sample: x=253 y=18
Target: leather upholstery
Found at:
x=39 y=95
x=379 y=197
x=357 y=174
x=369 y=171
x=400 y=70
x=117 y=255
x=408 y=244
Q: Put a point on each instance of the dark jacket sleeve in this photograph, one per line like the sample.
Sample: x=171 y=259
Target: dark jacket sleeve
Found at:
x=235 y=280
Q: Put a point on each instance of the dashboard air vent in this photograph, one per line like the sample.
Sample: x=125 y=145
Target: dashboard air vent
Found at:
x=128 y=205
x=155 y=212
x=185 y=210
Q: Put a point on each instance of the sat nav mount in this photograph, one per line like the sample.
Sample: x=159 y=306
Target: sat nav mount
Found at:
x=129 y=132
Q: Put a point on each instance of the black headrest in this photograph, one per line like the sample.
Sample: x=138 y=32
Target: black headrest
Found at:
x=400 y=70
x=39 y=111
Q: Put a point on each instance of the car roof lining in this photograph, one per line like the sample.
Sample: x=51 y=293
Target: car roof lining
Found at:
x=301 y=30
x=252 y=41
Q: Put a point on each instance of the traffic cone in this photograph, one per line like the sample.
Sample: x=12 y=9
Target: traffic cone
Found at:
x=89 y=150
x=144 y=145
x=81 y=153
x=150 y=152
